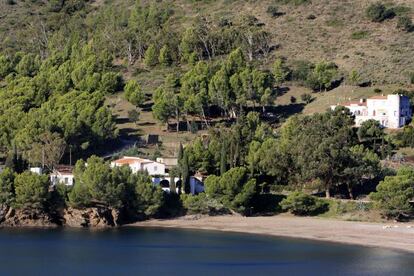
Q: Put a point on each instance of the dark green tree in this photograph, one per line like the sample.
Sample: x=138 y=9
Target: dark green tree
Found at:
x=7 y=193
x=31 y=190
x=151 y=56
x=393 y=195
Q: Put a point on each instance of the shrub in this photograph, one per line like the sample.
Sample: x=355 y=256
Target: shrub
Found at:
x=301 y=204
x=405 y=24
x=394 y=193
x=273 y=11
x=411 y=77
x=234 y=189
x=306 y=97
x=378 y=12
x=202 y=204
x=338 y=207
x=359 y=35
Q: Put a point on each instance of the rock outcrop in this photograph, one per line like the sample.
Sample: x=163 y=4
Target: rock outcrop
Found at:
x=98 y=217
x=11 y=217
x=91 y=217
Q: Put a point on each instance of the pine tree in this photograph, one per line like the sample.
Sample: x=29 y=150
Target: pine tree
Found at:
x=165 y=56
x=150 y=58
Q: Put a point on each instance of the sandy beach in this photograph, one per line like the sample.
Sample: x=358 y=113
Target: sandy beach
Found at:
x=399 y=236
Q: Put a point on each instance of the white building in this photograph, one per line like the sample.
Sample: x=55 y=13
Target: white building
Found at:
x=158 y=172
x=36 y=170
x=62 y=174
x=139 y=164
x=169 y=162
x=391 y=111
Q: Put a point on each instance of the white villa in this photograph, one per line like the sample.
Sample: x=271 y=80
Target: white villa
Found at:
x=391 y=111
x=139 y=164
x=158 y=170
x=62 y=174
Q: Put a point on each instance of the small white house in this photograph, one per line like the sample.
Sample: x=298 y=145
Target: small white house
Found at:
x=36 y=170
x=139 y=164
x=391 y=111
x=62 y=174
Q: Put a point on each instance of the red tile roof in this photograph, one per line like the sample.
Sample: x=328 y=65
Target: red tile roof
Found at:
x=131 y=160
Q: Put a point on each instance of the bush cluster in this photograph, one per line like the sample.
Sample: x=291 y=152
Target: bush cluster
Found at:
x=378 y=12
x=301 y=204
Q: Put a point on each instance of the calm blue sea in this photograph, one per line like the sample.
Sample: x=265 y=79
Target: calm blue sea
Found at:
x=132 y=251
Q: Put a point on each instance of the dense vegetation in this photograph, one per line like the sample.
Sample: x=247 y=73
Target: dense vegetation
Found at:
x=220 y=72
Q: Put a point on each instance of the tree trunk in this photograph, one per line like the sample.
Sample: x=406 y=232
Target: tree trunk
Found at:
x=206 y=48
x=351 y=194
x=204 y=117
x=177 y=112
x=328 y=186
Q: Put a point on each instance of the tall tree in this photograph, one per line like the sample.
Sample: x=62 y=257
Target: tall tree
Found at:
x=280 y=72
x=7 y=193
x=185 y=172
x=47 y=150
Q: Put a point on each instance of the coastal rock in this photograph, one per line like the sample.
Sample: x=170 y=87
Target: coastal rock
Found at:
x=96 y=217
x=10 y=217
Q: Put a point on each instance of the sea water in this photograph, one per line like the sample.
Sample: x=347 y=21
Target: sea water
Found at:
x=155 y=251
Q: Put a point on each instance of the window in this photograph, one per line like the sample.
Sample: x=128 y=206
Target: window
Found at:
x=373 y=113
x=155 y=168
x=66 y=180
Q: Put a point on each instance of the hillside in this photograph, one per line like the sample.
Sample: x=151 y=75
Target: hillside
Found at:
x=295 y=31
x=339 y=32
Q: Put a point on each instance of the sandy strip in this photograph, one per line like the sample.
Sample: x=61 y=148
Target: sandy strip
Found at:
x=398 y=236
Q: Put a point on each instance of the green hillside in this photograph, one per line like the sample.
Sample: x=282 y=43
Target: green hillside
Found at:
x=301 y=33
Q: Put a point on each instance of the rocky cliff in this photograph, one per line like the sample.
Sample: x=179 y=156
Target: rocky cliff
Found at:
x=89 y=217
x=11 y=217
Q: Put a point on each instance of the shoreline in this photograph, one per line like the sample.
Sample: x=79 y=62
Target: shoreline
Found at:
x=395 y=236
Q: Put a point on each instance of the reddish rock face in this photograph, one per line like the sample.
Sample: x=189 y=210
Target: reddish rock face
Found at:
x=91 y=217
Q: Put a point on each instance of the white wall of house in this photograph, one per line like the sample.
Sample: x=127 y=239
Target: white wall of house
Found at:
x=36 y=170
x=392 y=111
x=154 y=168
x=67 y=179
